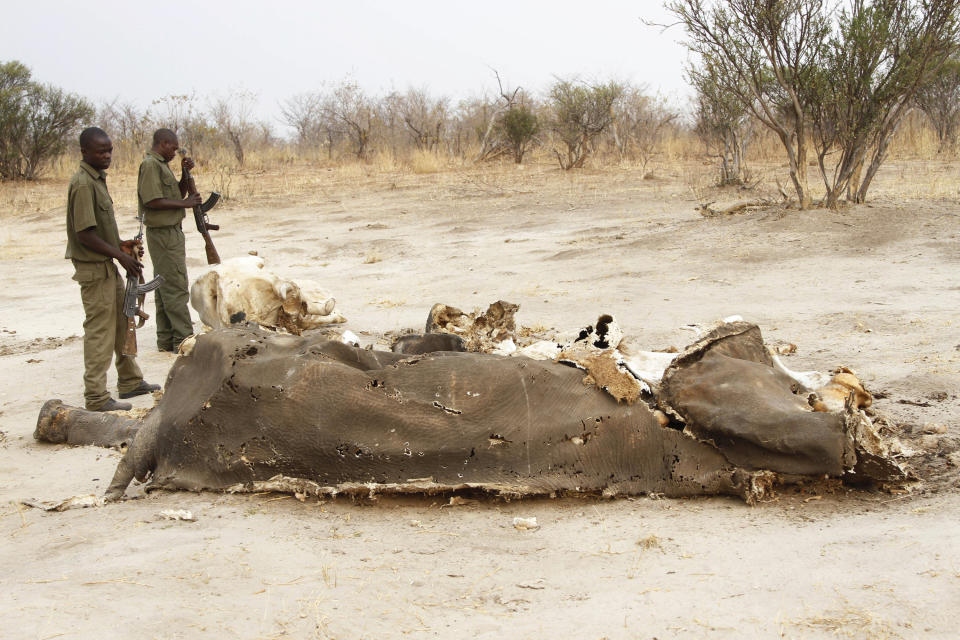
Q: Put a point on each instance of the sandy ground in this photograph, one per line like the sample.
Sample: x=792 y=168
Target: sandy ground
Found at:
x=874 y=288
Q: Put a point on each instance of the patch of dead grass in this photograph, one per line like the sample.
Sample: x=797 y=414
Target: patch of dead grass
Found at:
x=425 y=162
x=297 y=182
x=848 y=622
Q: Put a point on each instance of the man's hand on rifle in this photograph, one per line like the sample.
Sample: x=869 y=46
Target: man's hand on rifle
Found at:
x=186 y=163
x=193 y=201
x=132 y=247
x=91 y=240
x=132 y=266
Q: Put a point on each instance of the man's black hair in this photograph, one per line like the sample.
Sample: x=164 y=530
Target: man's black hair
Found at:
x=90 y=134
x=163 y=135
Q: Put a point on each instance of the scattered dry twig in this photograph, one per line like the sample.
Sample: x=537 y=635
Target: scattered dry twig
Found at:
x=116 y=581
x=708 y=212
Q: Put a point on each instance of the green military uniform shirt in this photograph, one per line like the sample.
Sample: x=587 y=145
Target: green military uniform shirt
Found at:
x=89 y=205
x=156 y=180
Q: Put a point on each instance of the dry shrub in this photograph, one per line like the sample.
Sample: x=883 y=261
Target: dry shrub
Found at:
x=425 y=162
x=382 y=161
x=679 y=145
x=291 y=174
x=915 y=139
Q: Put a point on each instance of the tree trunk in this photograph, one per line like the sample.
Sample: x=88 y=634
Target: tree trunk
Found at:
x=832 y=198
x=878 y=157
x=617 y=142
x=798 y=169
x=486 y=136
x=237 y=147
x=854 y=181
x=725 y=162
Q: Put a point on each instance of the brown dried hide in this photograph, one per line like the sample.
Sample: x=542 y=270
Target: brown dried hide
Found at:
x=252 y=409
x=726 y=391
x=248 y=406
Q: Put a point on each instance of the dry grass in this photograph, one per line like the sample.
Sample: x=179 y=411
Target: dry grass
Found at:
x=650 y=542
x=848 y=622
x=425 y=162
x=278 y=177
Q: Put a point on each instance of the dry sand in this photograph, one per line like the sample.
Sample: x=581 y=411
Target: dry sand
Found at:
x=873 y=287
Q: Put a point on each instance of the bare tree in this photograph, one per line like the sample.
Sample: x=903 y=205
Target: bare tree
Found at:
x=304 y=112
x=424 y=117
x=233 y=117
x=134 y=124
x=176 y=111
x=639 y=124
x=722 y=124
x=468 y=124
x=581 y=113
x=182 y=114
x=939 y=100
x=126 y=123
x=490 y=147
x=356 y=113
x=312 y=115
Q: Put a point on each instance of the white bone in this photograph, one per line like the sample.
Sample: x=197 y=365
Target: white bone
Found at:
x=242 y=289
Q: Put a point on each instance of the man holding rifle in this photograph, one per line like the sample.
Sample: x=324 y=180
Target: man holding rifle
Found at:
x=93 y=243
x=161 y=199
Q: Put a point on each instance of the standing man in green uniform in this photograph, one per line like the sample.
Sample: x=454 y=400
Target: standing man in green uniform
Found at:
x=160 y=198
x=93 y=243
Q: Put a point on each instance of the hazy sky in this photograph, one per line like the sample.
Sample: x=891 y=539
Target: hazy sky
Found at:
x=138 y=51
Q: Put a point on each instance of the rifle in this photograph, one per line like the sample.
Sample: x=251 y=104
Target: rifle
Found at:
x=200 y=216
x=134 y=294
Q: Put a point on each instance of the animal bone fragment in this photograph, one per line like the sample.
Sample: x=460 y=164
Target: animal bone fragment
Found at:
x=525 y=524
x=241 y=290
x=177 y=514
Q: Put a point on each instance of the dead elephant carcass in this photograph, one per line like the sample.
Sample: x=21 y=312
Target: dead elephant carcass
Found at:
x=248 y=407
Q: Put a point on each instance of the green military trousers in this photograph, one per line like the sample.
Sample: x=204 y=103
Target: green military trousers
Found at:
x=104 y=329
x=167 y=248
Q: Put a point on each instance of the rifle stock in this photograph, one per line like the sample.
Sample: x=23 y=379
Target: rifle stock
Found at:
x=212 y=256
x=130 y=339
